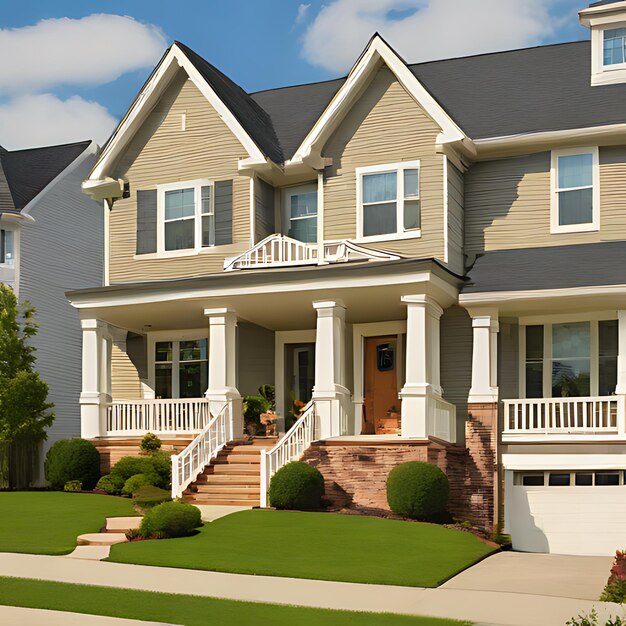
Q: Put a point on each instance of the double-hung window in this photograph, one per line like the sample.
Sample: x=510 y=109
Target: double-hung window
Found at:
x=300 y=208
x=388 y=198
x=180 y=368
x=7 y=248
x=186 y=216
x=575 y=204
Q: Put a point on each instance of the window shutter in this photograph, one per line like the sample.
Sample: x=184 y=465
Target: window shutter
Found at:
x=146 y=221
x=223 y=212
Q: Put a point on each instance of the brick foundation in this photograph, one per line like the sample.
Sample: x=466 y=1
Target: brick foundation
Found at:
x=355 y=473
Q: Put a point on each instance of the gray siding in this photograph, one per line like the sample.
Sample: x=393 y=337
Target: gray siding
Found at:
x=508 y=363
x=223 y=212
x=255 y=358
x=264 y=209
x=146 y=221
x=456 y=362
x=456 y=219
x=61 y=250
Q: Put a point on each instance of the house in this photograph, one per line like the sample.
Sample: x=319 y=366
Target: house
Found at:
x=431 y=254
x=51 y=241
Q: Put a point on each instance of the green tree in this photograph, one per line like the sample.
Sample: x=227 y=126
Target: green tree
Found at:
x=24 y=410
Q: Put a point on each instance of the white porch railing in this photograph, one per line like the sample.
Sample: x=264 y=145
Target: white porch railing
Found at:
x=137 y=417
x=602 y=415
x=188 y=464
x=289 y=448
x=441 y=419
x=274 y=251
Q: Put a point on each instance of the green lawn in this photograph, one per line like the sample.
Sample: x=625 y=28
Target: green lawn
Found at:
x=48 y=522
x=316 y=545
x=186 y=610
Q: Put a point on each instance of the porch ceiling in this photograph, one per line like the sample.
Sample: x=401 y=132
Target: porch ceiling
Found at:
x=284 y=304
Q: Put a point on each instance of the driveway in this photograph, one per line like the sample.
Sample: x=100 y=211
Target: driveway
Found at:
x=578 y=577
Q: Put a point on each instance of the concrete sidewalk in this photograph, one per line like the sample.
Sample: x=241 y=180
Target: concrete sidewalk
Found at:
x=487 y=607
x=17 y=616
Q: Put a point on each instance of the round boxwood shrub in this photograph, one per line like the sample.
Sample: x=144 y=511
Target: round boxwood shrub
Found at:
x=169 y=520
x=72 y=459
x=149 y=496
x=150 y=443
x=136 y=481
x=73 y=485
x=111 y=483
x=416 y=489
x=157 y=464
x=297 y=486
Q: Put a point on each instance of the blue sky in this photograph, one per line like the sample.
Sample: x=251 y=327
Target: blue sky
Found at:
x=74 y=78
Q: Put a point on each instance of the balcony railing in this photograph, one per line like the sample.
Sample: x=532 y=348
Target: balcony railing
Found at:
x=137 y=417
x=538 y=417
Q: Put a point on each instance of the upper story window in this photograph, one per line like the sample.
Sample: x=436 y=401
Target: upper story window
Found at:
x=186 y=216
x=614 y=46
x=388 y=199
x=575 y=204
x=7 y=248
x=301 y=212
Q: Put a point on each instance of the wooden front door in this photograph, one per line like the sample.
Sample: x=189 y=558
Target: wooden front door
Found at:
x=381 y=409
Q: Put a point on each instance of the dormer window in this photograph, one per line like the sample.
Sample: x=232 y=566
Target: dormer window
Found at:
x=614 y=46
x=7 y=248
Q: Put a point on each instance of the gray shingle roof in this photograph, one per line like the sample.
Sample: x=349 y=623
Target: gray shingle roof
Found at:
x=25 y=173
x=530 y=269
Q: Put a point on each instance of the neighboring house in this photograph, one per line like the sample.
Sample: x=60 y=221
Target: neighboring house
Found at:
x=433 y=253
x=51 y=239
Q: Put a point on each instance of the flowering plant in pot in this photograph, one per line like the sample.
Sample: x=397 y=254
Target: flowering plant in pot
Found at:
x=268 y=419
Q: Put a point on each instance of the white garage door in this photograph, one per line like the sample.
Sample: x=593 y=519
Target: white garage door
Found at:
x=572 y=519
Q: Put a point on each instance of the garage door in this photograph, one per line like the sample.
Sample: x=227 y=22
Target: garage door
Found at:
x=586 y=516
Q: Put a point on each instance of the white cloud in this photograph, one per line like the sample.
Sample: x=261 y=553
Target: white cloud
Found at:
x=89 y=51
x=43 y=119
x=422 y=30
x=303 y=9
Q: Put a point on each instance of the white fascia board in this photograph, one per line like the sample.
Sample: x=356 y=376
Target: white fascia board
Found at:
x=377 y=51
x=146 y=101
x=581 y=460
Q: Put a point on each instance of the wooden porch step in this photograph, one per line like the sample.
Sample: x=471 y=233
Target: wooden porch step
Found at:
x=229 y=479
x=242 y=451
x=230 y=469
x=228 y=490
x=226 y=495
x=241 y=459
x=191 y=499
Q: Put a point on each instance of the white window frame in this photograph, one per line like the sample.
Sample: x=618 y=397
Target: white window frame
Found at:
x=602 y=74
x=594 y=225
x=196 y=185
x=13 y=232
x=287 y=193
x=398 y=168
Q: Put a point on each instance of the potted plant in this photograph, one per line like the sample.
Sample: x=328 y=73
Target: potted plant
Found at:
x=268 y=419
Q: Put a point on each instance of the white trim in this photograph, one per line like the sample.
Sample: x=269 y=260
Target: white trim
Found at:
x=158 y=82
x=376 y=52
x=196 y=185
x=320 y=215
x=106 y=219
x=446 y=236
x=398 y=169
x=285 y=195
x=594 y=225
x=252 y=209
x=540 y=462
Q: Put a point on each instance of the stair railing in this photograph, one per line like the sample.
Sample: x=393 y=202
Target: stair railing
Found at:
x=190 y=463
x=290 y=447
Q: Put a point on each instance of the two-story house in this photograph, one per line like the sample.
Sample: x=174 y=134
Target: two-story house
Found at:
x=51 y=241
x=429 y=254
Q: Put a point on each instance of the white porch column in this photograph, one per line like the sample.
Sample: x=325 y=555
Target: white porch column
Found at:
x=621 y=353
x=332 y=398
x=222 y=387
x=96 y=391
x=484 y=358
x=422 y=376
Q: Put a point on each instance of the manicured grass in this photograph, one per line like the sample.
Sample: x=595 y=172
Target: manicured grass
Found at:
x=186 y=610
x=316 y=545
x=48 y=522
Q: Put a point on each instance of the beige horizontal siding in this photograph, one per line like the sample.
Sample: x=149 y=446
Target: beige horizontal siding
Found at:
x=125 y=381
x=507 y=203
x=162 y=152
x=384 y=126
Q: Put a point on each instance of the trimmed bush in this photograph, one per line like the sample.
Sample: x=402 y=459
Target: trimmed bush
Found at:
x=150 y=443
x=157 y=464
x=169 y=520
x=111 y=483
x=615 y=589
x=73 y=485
x=418 y=490
x=137 y=481
x=149 y=496
x=297 y=486
x=72 y=459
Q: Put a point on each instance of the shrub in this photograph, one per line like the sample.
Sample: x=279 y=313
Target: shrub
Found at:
x=592 y=620
x=137 y=481
x=157 y=464
x=416 y=489
x=615 y=589
x=111 y=483
x=169 y=520
x=72 y=459
x=297 y=486
x=149 y=496
x=73 y=485
x=150 y=443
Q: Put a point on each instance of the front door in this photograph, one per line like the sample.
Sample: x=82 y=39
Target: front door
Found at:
x=381 y=409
